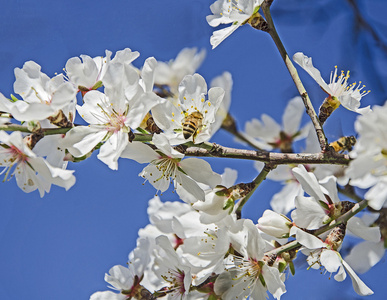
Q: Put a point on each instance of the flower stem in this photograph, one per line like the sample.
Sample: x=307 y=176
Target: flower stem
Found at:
x=297 y=81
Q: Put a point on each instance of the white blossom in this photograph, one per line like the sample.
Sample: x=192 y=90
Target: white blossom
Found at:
x=321 y=254
x=167 y=165
x=191 y=118
x=236 y=12
x=268 y=134
x=368 y=169
x=225 y=82
x=274 y=224
x=31 y=172
x=113 y=114
x=172 y=73
x=349 y=95
x=243 y=278
x=42 y=96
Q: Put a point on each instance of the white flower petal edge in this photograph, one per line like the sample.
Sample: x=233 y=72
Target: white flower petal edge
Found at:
x=348 y=95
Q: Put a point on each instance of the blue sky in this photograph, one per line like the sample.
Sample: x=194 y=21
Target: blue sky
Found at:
x=60 y=246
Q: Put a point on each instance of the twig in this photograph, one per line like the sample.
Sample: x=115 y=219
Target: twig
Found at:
x=214 y=150
x=293 y=73
x=257 y=181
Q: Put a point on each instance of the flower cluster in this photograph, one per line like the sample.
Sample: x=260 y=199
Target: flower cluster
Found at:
x=162 y=112
x=117 y=100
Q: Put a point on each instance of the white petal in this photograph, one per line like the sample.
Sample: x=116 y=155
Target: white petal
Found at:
x=190 y=186
x=219 y=36
x=139 y=152
x=292 y=116
x=273 y=281
x=330 y=260
x=377 y=195
x=283 y=201
x=306 y=239
x=111 y=150
x=358 y=285
x=147 y=73
x=107 y=295
x=309 y=182
x=308 y=213
x=306 y=63
x=23 y=111
x=120 y=277
x=357 y=227
x=201 y=171
x=81 y=140
x=365 y=255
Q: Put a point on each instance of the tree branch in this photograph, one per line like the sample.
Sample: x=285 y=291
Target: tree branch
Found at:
x=257 y=181
x=297 y=81
x=214 y=150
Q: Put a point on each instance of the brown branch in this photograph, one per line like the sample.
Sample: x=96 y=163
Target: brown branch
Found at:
x=256 y=182
x=293 y=73
x=214 y=150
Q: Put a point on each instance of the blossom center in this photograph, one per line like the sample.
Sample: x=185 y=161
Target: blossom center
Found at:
x=14 y=156
x=113 y=119
x=167 y=166
x=176 y=279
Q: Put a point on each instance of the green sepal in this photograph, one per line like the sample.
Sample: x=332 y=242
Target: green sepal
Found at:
x=291 y=268
x=282 y=266
x=262 y=280
x=222 y=191
x=229 y=204
x=13 y=98
x=212 y=297
x=256 y=10
x=142 y=130
x=323 y=204
x=83 y=88
x=182 y=171
x=97 y=85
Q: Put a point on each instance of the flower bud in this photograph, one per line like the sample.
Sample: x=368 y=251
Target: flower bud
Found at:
x=274 y=224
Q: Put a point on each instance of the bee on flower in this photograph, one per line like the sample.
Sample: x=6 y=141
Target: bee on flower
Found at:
x=189 y=118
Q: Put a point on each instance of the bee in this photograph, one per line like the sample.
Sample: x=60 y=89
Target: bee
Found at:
x=192 y=124
x=149 y=124
x=336 y=236
x=344 y=143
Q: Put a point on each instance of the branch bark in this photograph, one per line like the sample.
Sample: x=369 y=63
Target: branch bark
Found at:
x=297 y=81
